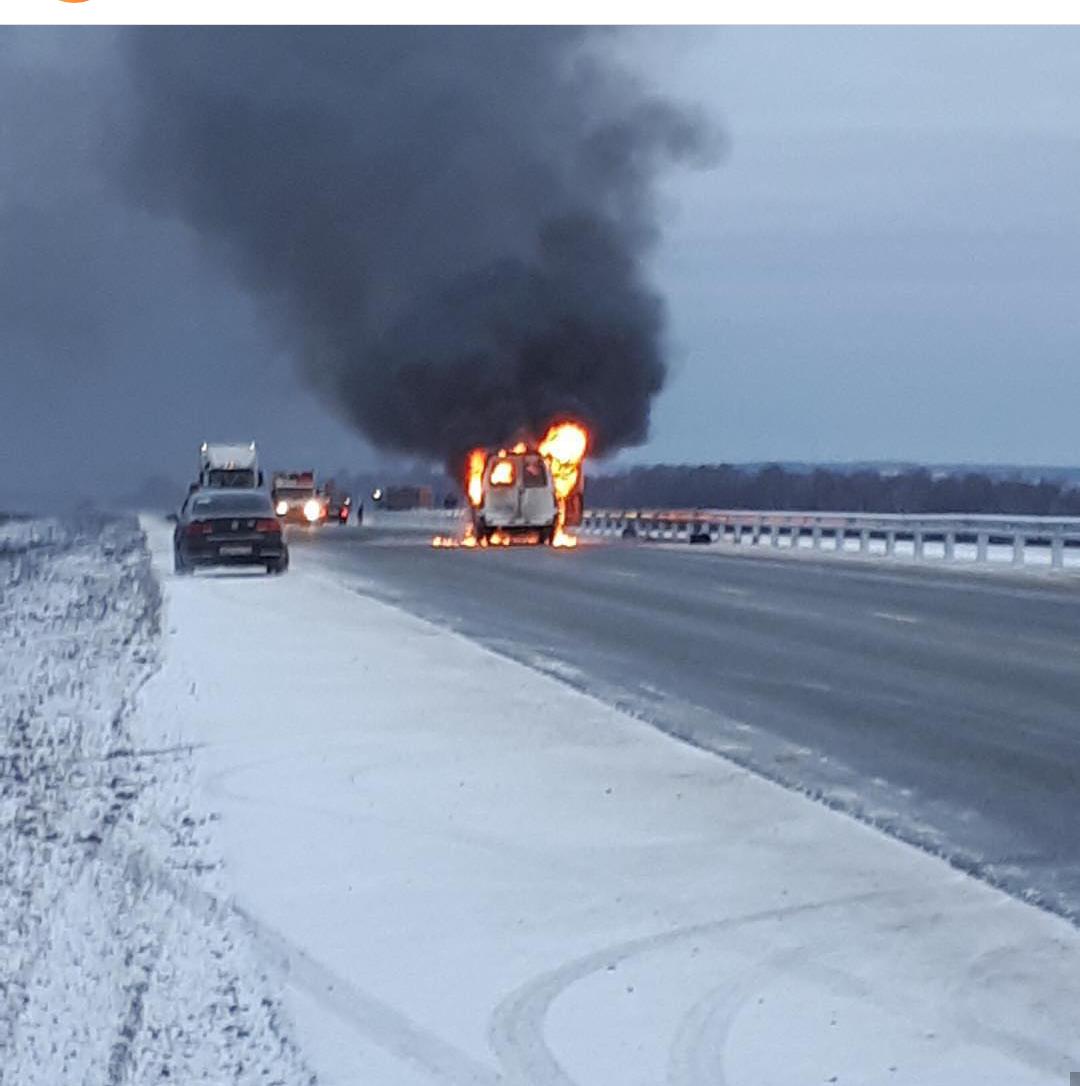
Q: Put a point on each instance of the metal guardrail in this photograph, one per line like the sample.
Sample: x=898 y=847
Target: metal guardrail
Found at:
x=949 y=538
x=374 y=515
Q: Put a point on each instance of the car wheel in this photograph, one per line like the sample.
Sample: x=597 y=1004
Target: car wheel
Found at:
x=178 y=564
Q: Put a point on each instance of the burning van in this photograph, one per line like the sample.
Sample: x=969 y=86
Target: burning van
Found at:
x=517 y=497
x=527 y=493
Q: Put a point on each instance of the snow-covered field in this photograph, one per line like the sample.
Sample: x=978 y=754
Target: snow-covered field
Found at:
x=118 y=963
x=459 y=870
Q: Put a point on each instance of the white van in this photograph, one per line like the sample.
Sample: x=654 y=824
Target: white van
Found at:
x=518 y=497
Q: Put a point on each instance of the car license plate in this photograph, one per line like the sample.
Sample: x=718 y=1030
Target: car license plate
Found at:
x=235 y=549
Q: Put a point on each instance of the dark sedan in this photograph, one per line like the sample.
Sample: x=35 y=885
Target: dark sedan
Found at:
x=229 y=528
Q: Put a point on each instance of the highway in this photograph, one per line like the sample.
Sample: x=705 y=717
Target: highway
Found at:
x=942 y=706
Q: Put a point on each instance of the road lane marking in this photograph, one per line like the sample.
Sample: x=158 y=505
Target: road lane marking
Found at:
x=892 y=616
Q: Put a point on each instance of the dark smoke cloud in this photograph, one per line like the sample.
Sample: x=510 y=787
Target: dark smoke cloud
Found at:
x=448 y=226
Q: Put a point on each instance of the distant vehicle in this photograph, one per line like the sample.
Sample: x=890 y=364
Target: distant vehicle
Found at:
x=517 y=497
x=297 y=500
x=229 y=465
x=338 y=506
x=223 y=526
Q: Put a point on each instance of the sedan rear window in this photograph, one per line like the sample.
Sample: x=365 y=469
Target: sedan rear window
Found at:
x=221 y=505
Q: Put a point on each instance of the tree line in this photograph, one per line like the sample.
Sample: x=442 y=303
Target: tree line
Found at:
x=725 y=486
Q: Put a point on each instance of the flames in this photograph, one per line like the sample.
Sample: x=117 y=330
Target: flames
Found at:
x=474 y=477
x=496 y=539
x=563 y=448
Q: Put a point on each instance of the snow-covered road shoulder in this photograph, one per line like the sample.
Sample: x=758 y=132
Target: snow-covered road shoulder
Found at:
x=120 y=965
x=470 y=873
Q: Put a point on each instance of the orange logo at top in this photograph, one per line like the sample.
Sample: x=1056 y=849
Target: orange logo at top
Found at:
x=74 y=1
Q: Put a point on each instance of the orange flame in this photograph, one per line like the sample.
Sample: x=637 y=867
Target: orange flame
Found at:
x=564 y=447
x=562 y=538
x=502 y=474
x=495 y=539
x=565 y=443
x=474 y=477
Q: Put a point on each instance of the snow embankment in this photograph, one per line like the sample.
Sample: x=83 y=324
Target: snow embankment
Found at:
x=119 y=965
x=473 y=874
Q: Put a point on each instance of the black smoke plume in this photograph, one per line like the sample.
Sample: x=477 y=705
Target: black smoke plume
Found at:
x=447 y=225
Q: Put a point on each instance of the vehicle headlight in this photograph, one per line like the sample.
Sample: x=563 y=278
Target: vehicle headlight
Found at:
x=281 y=508
x=312 y=510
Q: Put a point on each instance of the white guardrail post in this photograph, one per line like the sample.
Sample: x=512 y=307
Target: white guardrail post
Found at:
x=1053 y=542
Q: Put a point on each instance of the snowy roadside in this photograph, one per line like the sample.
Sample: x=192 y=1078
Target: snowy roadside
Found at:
x=473 y=874
x=118 y=964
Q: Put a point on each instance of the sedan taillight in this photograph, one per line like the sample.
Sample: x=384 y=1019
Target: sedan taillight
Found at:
x=198 y=527
x=272 y=526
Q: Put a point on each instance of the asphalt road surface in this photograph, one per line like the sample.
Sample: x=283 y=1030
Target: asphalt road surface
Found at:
x=942 y=706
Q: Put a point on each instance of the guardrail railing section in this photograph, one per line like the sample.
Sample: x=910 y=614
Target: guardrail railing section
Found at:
x=1021 y=541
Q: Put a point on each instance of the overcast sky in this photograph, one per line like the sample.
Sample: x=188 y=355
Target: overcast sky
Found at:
x=886 y=265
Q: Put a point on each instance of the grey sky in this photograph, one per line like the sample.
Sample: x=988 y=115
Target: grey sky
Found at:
x=886 y=265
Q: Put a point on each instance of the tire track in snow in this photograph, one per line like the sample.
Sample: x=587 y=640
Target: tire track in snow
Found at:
x=697 y=1053
x=516 y=1028
x=382 y=1024
x=387 y=1027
